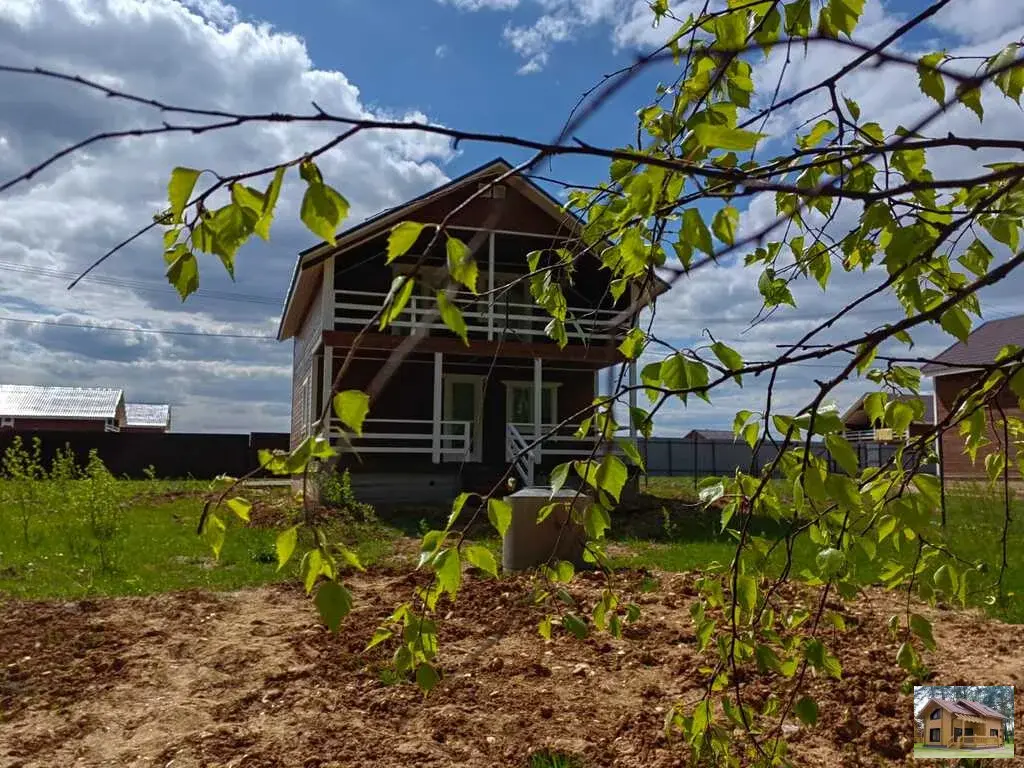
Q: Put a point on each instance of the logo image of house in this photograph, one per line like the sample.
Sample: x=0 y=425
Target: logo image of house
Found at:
x=961 y=723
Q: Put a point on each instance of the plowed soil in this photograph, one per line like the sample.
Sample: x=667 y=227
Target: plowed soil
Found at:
x=251 y=679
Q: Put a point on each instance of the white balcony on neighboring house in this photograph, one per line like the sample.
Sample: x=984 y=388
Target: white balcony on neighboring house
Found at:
x=880 y=435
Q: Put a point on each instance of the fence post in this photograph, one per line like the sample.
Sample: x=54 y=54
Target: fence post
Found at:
x=695 y=461
x=714 y=459
x=671 y=465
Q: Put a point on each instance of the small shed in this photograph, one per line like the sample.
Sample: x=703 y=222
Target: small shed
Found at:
x=147 y=417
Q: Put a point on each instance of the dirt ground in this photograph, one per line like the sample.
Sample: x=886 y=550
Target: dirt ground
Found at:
x=251 y=679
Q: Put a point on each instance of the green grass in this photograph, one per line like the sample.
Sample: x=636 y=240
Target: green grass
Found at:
x=691 y=538
x=547 y=758
x=939 y=753
x=156 y=549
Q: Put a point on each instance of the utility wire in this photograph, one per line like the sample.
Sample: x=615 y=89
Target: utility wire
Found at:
x=153 y=331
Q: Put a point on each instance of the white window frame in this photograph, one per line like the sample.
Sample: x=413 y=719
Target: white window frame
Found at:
x=307 y=404
x=7 y=421
x=551 y=386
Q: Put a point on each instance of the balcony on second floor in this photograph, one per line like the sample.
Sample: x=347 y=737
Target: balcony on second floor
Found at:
x=486 y=318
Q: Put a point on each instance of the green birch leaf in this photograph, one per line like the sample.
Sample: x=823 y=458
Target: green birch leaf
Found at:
x=448 y=567
x=929 y=81
x=499 y=512
x=461 y=265
x=696 y=232
x=333 y=602
x=807 y=710
x=427 y=677
x=285 y=545
x=722 y=137
x=921 y=627
x=843 y=453
x=725 y=224
x=452 y=317
x=179 y=190
x=401 y=238
x=351 y=406
x=481 y=557
x=240 y=507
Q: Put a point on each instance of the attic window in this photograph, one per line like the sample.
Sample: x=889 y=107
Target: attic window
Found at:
x=497 y=191
x=936 y=714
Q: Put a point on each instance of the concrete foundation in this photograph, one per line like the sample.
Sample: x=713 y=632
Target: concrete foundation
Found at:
x=529 y=544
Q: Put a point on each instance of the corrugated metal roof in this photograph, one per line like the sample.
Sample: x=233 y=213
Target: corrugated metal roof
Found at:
x=30 y=401
x=147 y=414
x=981 y=346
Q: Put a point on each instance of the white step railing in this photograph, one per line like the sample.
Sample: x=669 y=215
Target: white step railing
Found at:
x=354 y=309
x=454 y=440
x=558 y=441
x=517 y=451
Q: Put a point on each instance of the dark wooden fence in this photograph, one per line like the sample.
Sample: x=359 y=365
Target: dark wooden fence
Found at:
x=171 y=455
x=671 y=456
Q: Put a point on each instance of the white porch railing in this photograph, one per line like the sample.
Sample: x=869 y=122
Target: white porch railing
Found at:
x=354 y=309
x=453 y=441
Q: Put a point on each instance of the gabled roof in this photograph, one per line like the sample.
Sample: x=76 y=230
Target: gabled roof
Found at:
x=147 y=415
x=317 y=254
x=41 y=402
x=981 y=346
x=964 y=708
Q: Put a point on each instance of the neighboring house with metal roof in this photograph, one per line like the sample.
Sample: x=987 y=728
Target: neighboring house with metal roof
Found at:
x=957 y=368
x=31 y=408
x=147 y=417
x=962 y=723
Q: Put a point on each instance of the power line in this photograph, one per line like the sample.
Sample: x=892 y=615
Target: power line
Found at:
x=139 y=285
x=153 y=331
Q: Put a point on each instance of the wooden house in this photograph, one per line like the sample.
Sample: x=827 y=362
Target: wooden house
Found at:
x=961 y=723
x=445 y=415
x=959 y=367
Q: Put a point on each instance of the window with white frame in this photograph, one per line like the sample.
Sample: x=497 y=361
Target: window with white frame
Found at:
x=7 y=421
x=519 y=402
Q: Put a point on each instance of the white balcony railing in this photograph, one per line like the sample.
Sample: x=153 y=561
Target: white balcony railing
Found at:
x=354 y=309
x=453 y=441
x=880 y=435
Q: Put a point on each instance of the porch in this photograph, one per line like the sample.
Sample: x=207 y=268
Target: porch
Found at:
x=970 y=733
x=456 y=412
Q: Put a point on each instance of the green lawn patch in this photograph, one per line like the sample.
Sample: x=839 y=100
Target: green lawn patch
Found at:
x=939 y=753
x=152 y=546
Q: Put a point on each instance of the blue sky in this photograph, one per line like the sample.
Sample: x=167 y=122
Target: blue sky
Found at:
x=513 y=66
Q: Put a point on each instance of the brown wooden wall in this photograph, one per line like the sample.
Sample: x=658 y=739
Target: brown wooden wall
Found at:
x=955 y=463
x=303 y=346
